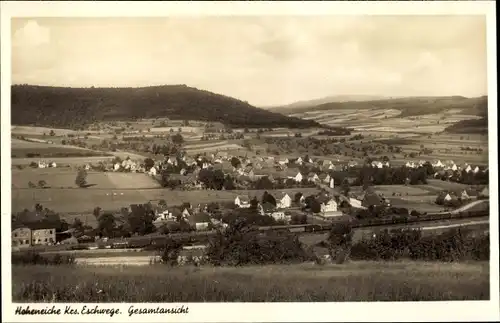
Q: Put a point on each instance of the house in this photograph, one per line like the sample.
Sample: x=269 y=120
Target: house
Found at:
x=299 y=161
x=476 y=170
x=242 y=201
x=332 y=183
x=200 y=221
x=185 y=213
x=278 y=215
x=352 y=164
x=298 y=178
x=313 y=177
x=355 y=203
x=372 y=199
x=21 y=237
x=377 y=164
x=53 y=164
x=485 y=193
x=464 y=195
x=468 y=169
x=454 y=167
x=284 y=161
x=152 y=171
x=42 y=164
x=325 y=178
x=438 y=164
x=116 y=167
x=329 y=206
x=284 y=202
x=331 y=167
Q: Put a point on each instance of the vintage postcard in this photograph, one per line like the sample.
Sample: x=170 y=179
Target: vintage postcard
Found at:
x=249 y=161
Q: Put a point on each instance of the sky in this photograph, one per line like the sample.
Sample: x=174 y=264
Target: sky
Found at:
x=264 y=60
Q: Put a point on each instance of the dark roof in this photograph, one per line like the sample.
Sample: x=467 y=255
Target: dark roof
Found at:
x=268 y=206
x=38 y=225
x=371 y=199
x=199 y=217
x=323 y=198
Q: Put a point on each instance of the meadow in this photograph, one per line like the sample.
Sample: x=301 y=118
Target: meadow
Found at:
x=352 y=281
x=71 y=200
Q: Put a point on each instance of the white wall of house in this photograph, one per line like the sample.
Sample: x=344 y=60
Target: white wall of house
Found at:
x=285 y=202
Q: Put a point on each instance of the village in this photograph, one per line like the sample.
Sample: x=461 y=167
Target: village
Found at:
x=321 y=193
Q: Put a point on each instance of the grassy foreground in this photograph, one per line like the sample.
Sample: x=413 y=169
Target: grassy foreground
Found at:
x=355 y=281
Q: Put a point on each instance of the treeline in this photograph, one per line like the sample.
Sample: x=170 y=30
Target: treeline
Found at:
x=239 y=245
x=78 y=107
x=478 y=126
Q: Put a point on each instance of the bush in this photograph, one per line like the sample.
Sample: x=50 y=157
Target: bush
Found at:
x=34 y=258
x=452 y=245
x=239 y=245
x=170 y=252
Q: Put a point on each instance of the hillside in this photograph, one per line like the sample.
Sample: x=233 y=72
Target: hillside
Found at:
x=479 y=126
x=75 y=107
x=410 y=106
x=324 y=100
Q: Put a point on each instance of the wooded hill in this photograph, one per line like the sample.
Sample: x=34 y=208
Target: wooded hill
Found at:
x=409 y=106
x=76 y=107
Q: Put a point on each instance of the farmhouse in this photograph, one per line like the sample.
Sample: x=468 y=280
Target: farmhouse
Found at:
x=284 y=202
x=278 y=215
x=152 y=171
x=242 y=201
x=200 y=221
x=21 y=237
x=313 y=177
x=298 y=178
x=485 y=193
x=325 y=178
x=372 y=199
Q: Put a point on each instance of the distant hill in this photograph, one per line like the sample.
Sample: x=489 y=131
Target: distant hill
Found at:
x=475 y=126
x=69 y=107
x=409 y=106
x=320 y=101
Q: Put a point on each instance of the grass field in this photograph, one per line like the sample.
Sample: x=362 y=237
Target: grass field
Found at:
x=63 y=178
x=356 y=281
x=86 y=199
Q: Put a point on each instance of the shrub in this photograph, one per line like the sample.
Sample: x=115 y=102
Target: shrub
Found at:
x=452 y=245
x=239 y=245
x=34 y=258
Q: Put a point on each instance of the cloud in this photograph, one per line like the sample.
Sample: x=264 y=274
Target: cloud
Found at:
x=31 y=35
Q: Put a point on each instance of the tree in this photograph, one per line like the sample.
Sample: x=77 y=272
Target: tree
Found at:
x=178 y=139
x=266 y=197
x=42 y=183
x=345 y=187
x=106 y=224
x=141 y=219
x=297 y=197
x=149 y=163
x=77 y=225
x=52 y=133
x=97 y=212
x=235 y=162
x=81 y=178
x=31 y=184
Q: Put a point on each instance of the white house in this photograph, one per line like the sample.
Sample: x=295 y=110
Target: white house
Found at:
x=205 y=165
x=377 y=164
x=476 y=170
x=447 y=197
x=284 y=202
x=298 y=178
x=53 y=164
x=438 y=164
x=332 y=183
x=152 y=171
x=183 y=171
x=299 y=161
x=330 y=206
x=327 y=179
x=356 y=203
x=331 y=167
x=278 y=215
x=313 y=177
x=186 y=213
x=242 y=201
x=116 y=167
x=454 y=167
x=468 y=168
x=284 y=161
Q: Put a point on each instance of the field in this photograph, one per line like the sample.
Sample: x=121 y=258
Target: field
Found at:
x=65 y=179
x=355 y=281
x=85 y=199
x=21 y=149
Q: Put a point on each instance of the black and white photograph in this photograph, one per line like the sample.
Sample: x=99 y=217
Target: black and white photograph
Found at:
x=248 y=158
